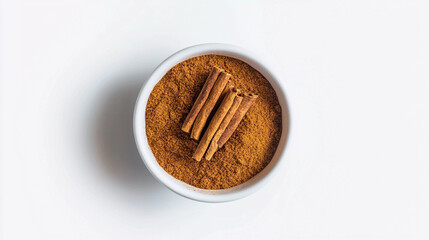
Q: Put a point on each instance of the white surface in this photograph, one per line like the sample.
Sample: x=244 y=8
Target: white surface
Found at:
x=357 y=163
x=221 y=195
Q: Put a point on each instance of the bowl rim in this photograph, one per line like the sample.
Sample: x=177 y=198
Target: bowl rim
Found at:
x=182 y=188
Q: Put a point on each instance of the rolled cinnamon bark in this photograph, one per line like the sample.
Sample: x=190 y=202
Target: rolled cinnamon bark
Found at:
x=213 y=145
x=201 y=99
x=205 y=111
x=247 y=102
x=228 y=87
x=212 y=149
x=214 y=124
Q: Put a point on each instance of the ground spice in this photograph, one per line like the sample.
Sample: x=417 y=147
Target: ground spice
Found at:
x=246 y=153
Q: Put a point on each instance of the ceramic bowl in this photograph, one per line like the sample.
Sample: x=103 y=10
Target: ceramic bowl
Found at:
x=185 y=189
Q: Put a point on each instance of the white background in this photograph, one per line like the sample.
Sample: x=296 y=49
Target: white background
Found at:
x=357 y=77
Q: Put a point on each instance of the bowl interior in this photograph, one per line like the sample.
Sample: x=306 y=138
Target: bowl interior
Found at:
x=185 y=189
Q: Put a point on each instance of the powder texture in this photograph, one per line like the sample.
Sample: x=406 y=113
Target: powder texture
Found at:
x=246 y=153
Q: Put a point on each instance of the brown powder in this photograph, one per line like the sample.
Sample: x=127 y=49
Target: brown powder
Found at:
x=246 y=153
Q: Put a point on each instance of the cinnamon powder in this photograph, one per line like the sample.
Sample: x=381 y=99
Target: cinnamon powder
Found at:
x=246 y=153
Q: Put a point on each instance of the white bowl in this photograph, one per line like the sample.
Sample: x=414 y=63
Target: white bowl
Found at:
x=185 y=189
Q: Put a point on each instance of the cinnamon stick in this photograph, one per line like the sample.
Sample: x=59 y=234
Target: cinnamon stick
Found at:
x=213 y=145
x=247 y=102
x=214 y=124
x=228 y=88
x=212 y=149
x=205 y=111
x=201 y=99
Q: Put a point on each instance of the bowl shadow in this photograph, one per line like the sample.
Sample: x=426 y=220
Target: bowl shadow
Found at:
x=117 y=152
